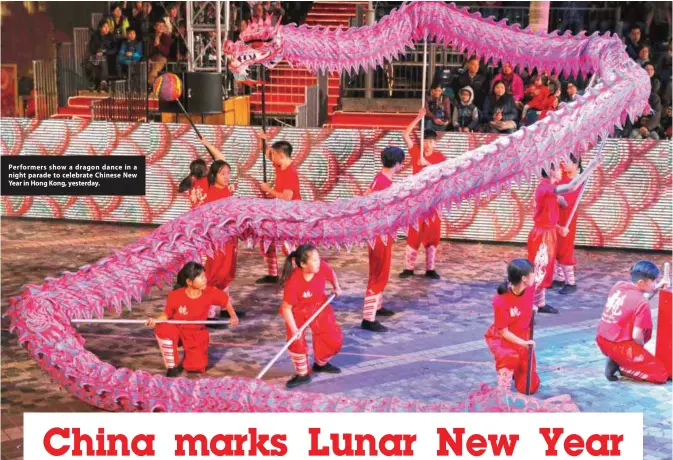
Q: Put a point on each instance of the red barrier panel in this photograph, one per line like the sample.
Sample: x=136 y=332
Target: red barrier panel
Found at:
x=664 y=335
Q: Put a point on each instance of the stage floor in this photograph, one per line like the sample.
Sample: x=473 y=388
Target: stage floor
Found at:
x=434 y=350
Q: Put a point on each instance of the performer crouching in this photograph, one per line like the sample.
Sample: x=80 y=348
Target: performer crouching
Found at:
x=304 y=276
x=508 y=337
x=626 y=326
x=542 y=239
x=190 y=301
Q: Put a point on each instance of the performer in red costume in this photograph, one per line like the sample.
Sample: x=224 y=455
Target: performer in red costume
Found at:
x=380 y=256
x=221 y=269
x=304 y=277
x=565 y=251
x=626 y=326
x=542 y=239
x=426 y=234
x=286 y=187
x=190 y=301
x=509 y=336
x=196 y=183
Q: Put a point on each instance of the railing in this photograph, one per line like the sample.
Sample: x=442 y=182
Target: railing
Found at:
x=46 y=91
x=69 y=73
x=128 y=99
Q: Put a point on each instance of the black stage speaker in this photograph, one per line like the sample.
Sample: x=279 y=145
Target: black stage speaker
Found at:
x=201 y=93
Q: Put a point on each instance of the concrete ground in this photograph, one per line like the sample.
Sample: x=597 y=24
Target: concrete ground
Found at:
x=434 y=352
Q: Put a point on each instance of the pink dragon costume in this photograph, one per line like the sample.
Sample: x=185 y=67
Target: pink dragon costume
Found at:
x=41 y=315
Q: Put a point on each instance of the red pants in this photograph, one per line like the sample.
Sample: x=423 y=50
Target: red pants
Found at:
x=427 y=235
x=327 y=337
x=634 y=361
x=565 y=246
x=379 y=266
x=271 y=258
x=221 y=270
x=542 y=254
x=194 y=341
x=515 y=358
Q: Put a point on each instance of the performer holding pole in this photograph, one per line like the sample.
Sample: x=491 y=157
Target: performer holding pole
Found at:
x=303 y=278
x=565 y=252
x=381 y=254
x=510 y=337
x=626 y=326
x=286 y=187
x=542 y=240
x=190 y=301
x=428 y=233
x=203 y=189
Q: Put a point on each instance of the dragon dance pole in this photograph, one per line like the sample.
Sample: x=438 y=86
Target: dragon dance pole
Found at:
x=264 y=120
x=299 y=333
x=425 y=70
x=141 y=321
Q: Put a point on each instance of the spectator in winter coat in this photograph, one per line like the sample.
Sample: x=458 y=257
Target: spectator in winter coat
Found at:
x=633 y=43
x=437 y=109
x=647 y=126
x=500 y=111
x=475 y=80
x=159 y=50
x=130 y=51
x=465 y=113
x=102 y=54
x=513 y=82
x=118 y=24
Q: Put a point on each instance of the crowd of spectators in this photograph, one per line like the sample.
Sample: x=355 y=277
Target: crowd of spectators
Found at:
x=484 y=98
x=133 y=32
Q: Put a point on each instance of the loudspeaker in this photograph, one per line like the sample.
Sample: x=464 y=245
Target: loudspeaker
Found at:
x=201 y=94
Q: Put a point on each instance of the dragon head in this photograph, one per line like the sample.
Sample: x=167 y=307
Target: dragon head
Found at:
x=259 y=44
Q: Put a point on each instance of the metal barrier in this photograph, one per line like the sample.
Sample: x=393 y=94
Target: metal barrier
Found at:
x=69 y=76
x=128 y=99
x=81 y=36
x=46 y=91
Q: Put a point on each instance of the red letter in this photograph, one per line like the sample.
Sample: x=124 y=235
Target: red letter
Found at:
x=497 y=446
x=56 y=452
x=616 y=439
x=551 y=443
x=180 y=441
x=476 y=445
x=278 y=441
x=574 y=445
x=445 y=438
x=315 y=451
x=78 y=438
x=148 y=439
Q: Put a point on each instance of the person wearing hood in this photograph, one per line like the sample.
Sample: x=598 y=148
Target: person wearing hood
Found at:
x=626 y=326
x=465 y=113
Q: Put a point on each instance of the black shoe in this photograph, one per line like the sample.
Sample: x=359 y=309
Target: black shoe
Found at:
x=406 y=274
x=557 y=284
x=268 y=279
x=373 y=326
x=327 y=368
x=103 y=86
x=568 y=289
x=432 y=275
x=298 y=380
x=384 y=312
x=611 y=368
x=173 y=372
x=547 y=309
x=215 y=326
x=225 y=314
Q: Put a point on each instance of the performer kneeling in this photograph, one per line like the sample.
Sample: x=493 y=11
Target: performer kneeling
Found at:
x=626 y=326
x=508 y=337
x=190 y=301
x=542 y=239
x=304 y=293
